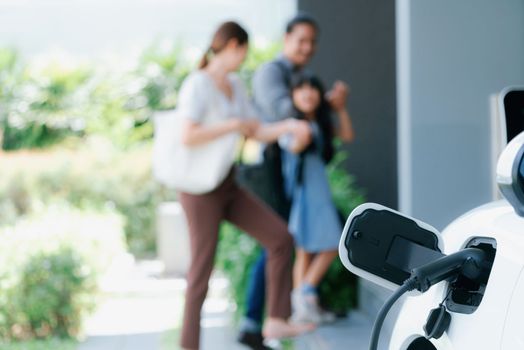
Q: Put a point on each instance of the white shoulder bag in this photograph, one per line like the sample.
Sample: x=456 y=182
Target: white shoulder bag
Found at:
x=192 y=169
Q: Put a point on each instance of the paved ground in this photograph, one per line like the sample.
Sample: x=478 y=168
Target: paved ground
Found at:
x=350 y=333
x=142 y=312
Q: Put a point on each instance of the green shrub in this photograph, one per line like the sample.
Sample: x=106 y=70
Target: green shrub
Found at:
x=53 y=292
x=162 y=69
x=237 y=252
x=49 y=265
x=9 y=72
x=109 y=109
x=338 y=288
x=51 y=100
x=96 y=176
x=40 y=344
x=346 y=194
x=41 y=108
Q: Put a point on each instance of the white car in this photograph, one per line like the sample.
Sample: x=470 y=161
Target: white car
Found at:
x=471 y=275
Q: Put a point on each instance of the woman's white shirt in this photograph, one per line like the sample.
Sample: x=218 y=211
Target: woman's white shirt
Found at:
x=201 y=101
x=201 y=168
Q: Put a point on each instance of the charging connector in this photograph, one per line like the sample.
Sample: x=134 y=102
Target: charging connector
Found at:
x=467 y=261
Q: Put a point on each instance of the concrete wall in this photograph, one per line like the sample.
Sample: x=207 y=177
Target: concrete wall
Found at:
x=451 y=56
x=357 y=45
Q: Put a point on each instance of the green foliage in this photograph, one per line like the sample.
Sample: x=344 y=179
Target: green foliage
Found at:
x=90 y=122
x=100 y=116
x=48 y=101
x=42 y=104
x=10 y=74
x=10 y=67
x=49 y=264
x=346 y=194
x=50 y=298
x=56 y=99
x=31 y=134
x=41 y=344
x=95 y=177
x=237 y=252
x=163 y=71
x=119 y=103
x=338 y=288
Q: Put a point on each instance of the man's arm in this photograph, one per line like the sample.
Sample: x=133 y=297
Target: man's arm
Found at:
x=271 y=93
x=273 y=98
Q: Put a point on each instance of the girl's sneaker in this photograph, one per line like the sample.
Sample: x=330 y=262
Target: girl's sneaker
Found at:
x=306 y=309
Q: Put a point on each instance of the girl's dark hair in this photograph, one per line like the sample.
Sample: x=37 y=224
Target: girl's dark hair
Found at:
x=225 y=32
x=322 y=113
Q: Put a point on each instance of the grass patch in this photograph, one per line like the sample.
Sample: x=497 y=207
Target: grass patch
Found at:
x=45 y=344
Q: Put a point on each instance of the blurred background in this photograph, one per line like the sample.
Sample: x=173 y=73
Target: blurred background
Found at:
x=92 y=253
x=95 y=28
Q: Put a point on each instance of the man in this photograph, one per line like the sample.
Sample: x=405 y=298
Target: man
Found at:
x=272 y=96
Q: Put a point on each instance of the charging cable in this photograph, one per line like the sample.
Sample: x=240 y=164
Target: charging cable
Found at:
x=468 y=262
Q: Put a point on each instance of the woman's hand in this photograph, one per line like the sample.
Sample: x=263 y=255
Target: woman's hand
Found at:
x=196 y=134
x=299 y=130
x=247 y=127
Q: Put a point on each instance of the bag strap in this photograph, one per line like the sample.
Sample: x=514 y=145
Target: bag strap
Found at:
x=239 y=160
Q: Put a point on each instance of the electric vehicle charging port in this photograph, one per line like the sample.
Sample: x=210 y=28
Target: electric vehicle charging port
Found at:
x=466 y=295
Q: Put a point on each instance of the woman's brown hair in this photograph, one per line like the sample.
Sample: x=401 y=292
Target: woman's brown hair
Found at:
x=224 y=33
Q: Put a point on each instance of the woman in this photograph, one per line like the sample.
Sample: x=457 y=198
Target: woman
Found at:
x=313 y=219
x=210 y=93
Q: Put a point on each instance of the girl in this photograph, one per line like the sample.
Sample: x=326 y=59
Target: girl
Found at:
x=214 y=93
x=313 y=220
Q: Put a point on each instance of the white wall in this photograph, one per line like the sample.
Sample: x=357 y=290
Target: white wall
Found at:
x=451 y=55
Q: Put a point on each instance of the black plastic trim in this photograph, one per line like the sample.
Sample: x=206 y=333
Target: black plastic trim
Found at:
x=465 y=295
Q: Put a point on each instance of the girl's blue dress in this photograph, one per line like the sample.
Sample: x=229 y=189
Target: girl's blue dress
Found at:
x=313 y=220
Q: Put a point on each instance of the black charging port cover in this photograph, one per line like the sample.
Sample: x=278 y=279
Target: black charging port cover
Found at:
x=437 y=323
